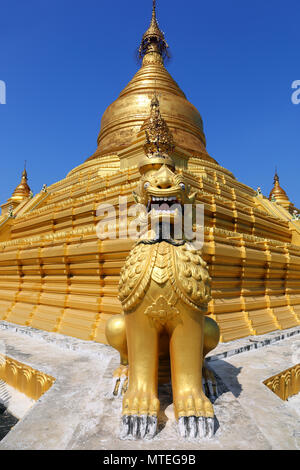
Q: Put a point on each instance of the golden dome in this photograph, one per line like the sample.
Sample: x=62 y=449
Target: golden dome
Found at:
x=123 y=119
x=22 y=191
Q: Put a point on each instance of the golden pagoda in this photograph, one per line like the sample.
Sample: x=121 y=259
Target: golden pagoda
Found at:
x=57 y=275
x=22 y=191
x=278 y=194
x=17 y=200
x=20 y=194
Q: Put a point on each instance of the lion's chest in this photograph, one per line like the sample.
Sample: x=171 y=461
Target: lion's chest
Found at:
x=165 y=273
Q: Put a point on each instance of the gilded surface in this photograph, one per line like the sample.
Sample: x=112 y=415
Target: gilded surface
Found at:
x=22 y=191
x=182 y=271
x=286 y=383
x=123 y=119
x=158 y=136
x=25 y=379
x=56 y=275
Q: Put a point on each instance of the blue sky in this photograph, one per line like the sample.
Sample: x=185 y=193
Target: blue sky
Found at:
x=65 y=61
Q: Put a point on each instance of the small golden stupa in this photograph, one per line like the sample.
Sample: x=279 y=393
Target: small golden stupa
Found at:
x=279 y=195
x=57 y=275
x=22 y=191
x=20 y=194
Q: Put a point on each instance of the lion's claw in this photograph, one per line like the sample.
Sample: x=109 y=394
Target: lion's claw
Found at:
x=196 y=427
x=120 y=381
x=138 y=427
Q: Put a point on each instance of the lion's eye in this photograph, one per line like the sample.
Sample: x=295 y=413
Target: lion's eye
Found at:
x=182 y=186
x=146 y=185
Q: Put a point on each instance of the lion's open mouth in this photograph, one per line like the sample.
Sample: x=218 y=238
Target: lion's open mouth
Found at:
x=163 y=205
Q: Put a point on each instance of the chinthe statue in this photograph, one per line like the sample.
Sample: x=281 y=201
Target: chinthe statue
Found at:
x=164 y=290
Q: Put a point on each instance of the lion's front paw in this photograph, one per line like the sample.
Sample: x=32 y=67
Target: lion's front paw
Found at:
x=140 y=410
x=138 y=427
x=140 y=403
x=120 y=381
x=196 y=427
x=193 y=403
x=195 y=415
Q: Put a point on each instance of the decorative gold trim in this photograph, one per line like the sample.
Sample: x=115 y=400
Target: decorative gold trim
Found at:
x=33 y=383
x=286 y=383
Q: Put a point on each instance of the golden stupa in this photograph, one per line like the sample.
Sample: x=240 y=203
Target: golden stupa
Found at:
x=57 y=275
x=279 y=195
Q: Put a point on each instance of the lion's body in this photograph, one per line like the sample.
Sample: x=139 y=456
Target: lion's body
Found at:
x=164 y=290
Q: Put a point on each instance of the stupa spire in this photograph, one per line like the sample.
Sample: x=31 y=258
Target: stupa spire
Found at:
x=277 y=193
x=123 y=119
x=153 y=40
x=22 y=191
x=153 y=9
x=24 y=174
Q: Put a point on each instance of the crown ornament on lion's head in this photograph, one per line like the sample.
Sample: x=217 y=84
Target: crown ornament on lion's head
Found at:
x=159 y=139
x=159 y=144
x=162 y=190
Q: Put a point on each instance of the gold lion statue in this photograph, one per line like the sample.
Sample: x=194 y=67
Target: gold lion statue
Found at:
x=164 y=289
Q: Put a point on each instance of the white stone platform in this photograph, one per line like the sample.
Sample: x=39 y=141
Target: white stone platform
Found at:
x=77 y=413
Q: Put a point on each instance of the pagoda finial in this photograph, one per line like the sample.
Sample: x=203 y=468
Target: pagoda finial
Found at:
x=24 y=174
x=154 y=8
x=278 y=194
x=22 y=191
x=154 y=39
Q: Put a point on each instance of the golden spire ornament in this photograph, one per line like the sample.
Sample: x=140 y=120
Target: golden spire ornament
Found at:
x=277 y=192
x=22 y=191
x=279 y=196
x=154 y=39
